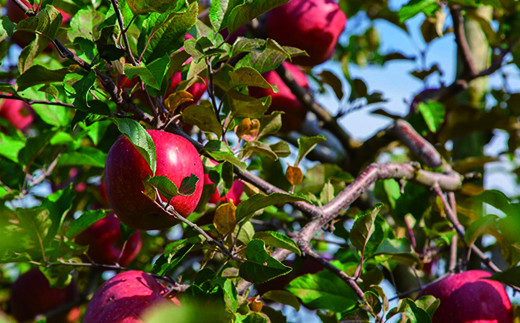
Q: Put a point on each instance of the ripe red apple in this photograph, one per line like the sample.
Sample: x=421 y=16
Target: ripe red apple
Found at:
x=197 y=89
x=285 y=100
x=125 y=170
x=17 y=113
x=468 y=297
x=311 y=25
x=15 y=14
x=32 y=295
x=234 y=193
x=124 y=297
x=105 y=242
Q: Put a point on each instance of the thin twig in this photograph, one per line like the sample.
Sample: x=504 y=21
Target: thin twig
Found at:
x=31 y=101
x=452 y=217
x=123 y=31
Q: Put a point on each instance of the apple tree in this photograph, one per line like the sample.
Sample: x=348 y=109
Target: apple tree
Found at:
x=185 y=161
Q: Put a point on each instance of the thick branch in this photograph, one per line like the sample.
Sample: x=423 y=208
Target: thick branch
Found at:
x=470 y=69
x=375 y=172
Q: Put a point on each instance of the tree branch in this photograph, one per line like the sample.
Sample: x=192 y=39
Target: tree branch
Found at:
x=30 y=101
x=464 y=51
x=452 y=217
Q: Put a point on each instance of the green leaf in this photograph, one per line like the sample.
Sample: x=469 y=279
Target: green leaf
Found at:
x=38 y=74
x=204 y=117
x=58 y=204
x=164 y=33
x=363 y=228
x=414 y=7
x=255 y=146
x=245 y=106
x=217 y=9
x=399 y=250
x=141 y=140
x=34 y=146
x=428 y=303
x=53 y=115
x=260 y=201
x=269 y=57
x=87 y=219
x=247 y=76
x=245 y=232
x=84 y=24
x=305 y=145
x=282 y=297
x=260 y=266
x=220 y=151
x=244 y=12
x=510 y=276
x=82 y=88
x=146 y=6
x=166 y=263
x=281 y=149
x=45 y=26
x=415 y=314
x=169 y=190
x=278 y=240
x=433 y=114
x=324 y=290
x=479 y=227
x=270 y=124
x=84 y=156
x=152 y=74
x=10 y=147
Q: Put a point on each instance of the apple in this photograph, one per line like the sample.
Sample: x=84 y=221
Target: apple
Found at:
x=234 y=194
x=32 y=295
x=126 y=169
x=17 y=112
x=285 y=100
x=469 y=297
x=124 y=297
x=197 y=89
x=105 y=242
x=15 y=14
x=311 y=25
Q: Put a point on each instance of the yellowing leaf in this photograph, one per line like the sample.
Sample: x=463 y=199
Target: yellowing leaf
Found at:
x=248 y=129
x=149 y=190
x=294 y=175
x=225 y=217
x=176 y=99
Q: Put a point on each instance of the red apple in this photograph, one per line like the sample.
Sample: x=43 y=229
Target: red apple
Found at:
x=15 y=14
x=311 y=25
x=197 y=89
x=468 y=297
x=105 y=242
x=285 y=100
x=32 y=295
x=17 y=113
x=124 y=298
x=125 y=170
